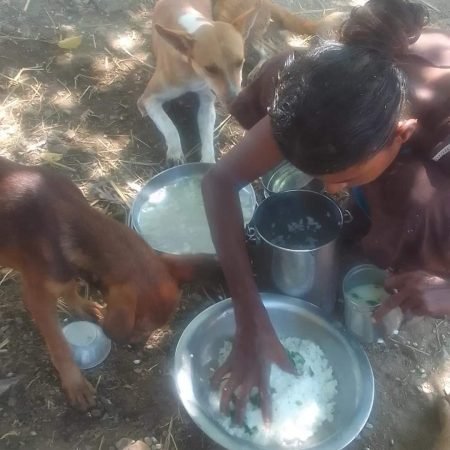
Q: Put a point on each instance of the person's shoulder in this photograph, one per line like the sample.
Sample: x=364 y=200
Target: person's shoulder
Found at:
x=433 y=46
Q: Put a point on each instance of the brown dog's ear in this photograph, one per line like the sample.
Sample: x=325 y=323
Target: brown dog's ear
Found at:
x=179 y=40
x=186 y=268
x=118 y=322
x=245 y=21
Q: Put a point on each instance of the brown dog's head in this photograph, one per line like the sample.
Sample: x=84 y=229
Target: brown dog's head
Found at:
x=148 y=300
x=215 y=52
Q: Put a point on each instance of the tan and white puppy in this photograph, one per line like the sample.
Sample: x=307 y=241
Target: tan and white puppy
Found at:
x=193 y=54
x=227 y=10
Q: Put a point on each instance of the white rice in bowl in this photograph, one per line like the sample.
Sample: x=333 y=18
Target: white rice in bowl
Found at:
x=300 y=404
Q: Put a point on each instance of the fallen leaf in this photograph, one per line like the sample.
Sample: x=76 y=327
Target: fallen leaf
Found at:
x=70 y=43
x=51 y=157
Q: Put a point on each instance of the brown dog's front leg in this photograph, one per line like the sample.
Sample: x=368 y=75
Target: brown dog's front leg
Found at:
x=41 y=302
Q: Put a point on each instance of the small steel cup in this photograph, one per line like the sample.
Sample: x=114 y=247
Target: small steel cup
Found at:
x=358 y=315
x=89 y=345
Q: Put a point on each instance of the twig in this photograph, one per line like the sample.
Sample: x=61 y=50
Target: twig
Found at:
x=431 y=6
x=4 y=343
x=27 y=4
x=222 y=124
x=84 y=93
x=139 y=140
x=169 y=435
x=61 y=306
x=101 y=442
x=65 y=86
x=9 y=433
x=410 y=347
x=31 y=382
x=119 y=192
x=6 y=276
x=98 y=382
x=20 y=38
x=51 y=19
x=64 y=166
x=173 y=440
x=137 y=59
x=139 y=163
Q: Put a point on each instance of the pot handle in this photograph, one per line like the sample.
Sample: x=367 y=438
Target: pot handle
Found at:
x=347 y=215
x=251 y=236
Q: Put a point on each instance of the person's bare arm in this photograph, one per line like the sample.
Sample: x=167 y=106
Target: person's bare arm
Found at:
x=256 y=344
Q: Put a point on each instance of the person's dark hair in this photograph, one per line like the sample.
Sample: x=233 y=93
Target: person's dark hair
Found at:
x=341 y=103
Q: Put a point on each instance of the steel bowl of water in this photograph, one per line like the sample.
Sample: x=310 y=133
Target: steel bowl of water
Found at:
x=196 y=357
x=89 y=345
x=286 y=177
x=169 y=214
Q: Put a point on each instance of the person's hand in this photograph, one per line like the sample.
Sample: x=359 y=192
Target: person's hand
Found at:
x=418 y=293
x=248 y=366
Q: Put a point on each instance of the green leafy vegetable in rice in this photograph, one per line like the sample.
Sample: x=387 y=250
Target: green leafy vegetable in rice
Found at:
x=301 y=404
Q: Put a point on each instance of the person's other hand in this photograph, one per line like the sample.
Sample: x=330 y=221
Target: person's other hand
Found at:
x=419 y=293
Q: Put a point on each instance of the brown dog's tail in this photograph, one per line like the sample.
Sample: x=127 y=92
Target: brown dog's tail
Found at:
x=187 y=268
x=324 y=27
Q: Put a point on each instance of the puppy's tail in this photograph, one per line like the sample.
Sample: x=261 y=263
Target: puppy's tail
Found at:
x=299 y=25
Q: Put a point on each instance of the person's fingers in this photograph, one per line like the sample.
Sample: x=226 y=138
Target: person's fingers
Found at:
x=265 y=397
x=227 y=394
x=284 y=363
x=396 y=282
x=241 y=402
x=220 y=374
x=390 y=303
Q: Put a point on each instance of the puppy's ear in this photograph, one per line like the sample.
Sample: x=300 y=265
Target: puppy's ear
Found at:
x=119 y=319
x=179 y=40
x=245 y=21
x=187 y=268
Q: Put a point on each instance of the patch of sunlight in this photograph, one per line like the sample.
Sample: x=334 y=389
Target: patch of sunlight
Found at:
x=9 y=123
x=427 y=388
x=297 y=41
x=439 y=381
x=357 y=2
x=158 y=337
x=125 y=41
x=64 y=101
x=8 y=130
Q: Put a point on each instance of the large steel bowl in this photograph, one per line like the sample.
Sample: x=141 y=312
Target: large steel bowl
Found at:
x=196 y=357
x=163 y=179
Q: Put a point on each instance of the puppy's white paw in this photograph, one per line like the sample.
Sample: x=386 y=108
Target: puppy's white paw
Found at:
x=174 y=157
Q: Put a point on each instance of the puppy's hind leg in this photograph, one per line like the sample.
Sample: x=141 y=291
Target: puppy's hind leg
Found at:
x=151 y=102
x=206 y=119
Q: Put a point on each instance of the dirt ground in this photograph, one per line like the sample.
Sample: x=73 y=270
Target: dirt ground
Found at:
x=75 y=110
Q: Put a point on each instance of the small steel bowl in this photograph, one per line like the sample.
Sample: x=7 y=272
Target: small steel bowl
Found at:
x=89 y=345
x=197 y=353
x=286 y=177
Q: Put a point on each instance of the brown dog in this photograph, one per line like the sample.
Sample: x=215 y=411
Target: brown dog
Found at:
x=52 y=236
